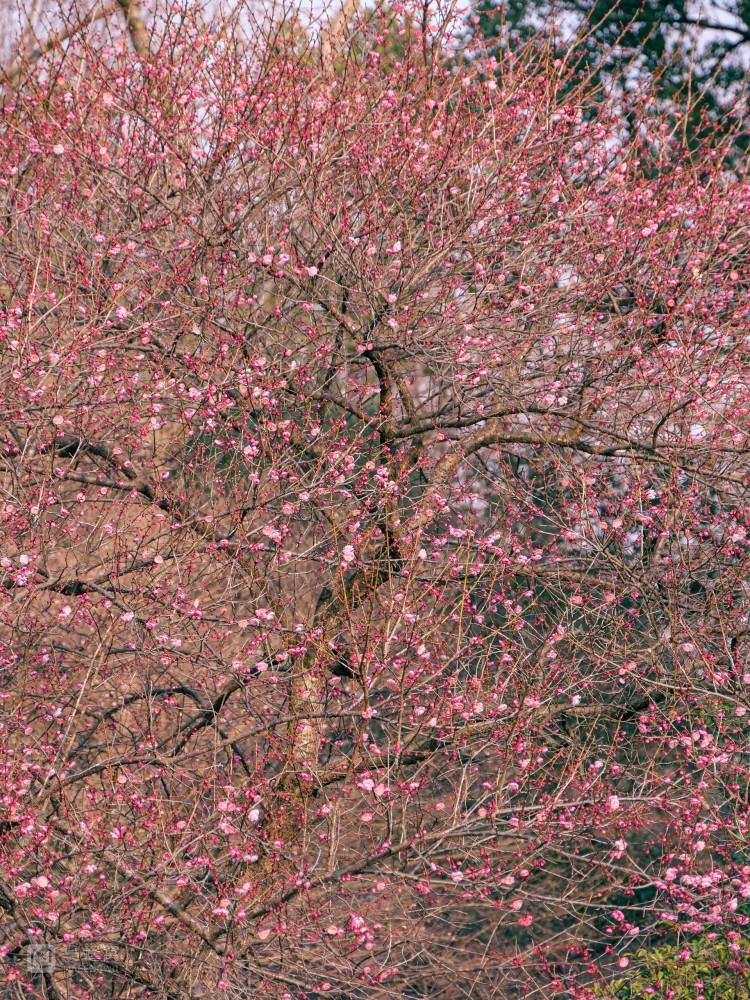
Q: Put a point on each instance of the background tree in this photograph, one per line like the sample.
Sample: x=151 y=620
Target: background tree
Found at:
x=373 y=609
x=695 y=55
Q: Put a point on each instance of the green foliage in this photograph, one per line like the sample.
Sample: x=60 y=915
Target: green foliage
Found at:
x=674 y=972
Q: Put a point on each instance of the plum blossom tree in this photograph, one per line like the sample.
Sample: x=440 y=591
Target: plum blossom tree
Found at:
x=373 y=601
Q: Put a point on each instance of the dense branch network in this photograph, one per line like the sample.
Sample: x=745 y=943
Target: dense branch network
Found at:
x=373 y=604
